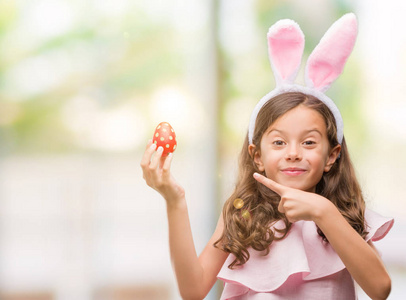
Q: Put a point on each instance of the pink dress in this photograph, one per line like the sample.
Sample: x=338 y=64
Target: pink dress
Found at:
x=301 y=266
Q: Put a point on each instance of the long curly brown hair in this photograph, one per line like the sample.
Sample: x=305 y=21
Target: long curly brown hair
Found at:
x=251 y=224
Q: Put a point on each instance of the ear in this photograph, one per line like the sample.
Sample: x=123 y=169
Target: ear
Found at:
x=334 y=153
x=285 y=49
x=327 y=60
x=256 y=156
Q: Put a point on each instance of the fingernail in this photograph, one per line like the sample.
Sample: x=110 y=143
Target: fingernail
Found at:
x=256 y=175
x=160 y=149
x=153 y=146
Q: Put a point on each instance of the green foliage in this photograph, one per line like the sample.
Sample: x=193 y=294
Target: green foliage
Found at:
x=109 y=60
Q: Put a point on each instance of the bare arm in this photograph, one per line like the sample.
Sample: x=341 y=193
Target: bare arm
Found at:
x=212 y=259
x=195 y=275
x=360 y=257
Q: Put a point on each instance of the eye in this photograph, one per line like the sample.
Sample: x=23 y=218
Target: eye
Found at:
x=278 y=143
x=309 y=143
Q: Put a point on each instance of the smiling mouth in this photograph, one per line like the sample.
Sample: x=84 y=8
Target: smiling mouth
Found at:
x=293 y=171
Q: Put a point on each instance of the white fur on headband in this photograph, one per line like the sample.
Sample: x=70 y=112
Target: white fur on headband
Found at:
x=324 y=65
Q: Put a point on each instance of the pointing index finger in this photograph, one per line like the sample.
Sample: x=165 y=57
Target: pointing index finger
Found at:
x=274 y=186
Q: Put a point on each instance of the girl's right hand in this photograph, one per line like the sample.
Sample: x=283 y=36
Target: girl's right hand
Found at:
x=156 y=172
x=297 y=204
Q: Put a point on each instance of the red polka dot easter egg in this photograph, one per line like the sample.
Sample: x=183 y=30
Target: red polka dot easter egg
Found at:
x=165 y=137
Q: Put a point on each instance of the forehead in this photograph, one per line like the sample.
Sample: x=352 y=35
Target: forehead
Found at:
x=300 y=118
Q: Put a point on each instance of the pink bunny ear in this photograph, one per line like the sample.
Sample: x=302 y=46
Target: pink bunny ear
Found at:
x=327 y=60
x=285 y=46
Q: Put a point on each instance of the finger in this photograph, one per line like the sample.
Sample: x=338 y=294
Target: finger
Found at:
x=269 y=183
x=156 y=159
x=146 y=158
x=166 y=167
x=281 y=208
x=148 y=144
x=162 y=160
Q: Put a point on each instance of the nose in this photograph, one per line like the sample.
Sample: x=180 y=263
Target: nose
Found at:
x=293 y=153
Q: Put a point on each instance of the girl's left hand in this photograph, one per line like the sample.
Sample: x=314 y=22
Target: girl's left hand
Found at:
x=296 y=204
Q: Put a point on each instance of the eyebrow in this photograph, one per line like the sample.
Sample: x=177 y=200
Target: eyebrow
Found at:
x=305 y=131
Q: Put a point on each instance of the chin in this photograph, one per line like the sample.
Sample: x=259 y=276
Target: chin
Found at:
x=299 y=186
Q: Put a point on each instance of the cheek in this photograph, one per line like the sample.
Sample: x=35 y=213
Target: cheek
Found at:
x=318 y=159
x=272 y=165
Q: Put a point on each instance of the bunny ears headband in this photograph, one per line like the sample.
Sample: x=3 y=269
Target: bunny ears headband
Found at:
x=324 y=65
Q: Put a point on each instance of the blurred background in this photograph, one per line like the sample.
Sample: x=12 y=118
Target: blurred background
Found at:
x=83 y=83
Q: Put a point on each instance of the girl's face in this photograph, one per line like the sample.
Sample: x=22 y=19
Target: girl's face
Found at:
x=295 y=150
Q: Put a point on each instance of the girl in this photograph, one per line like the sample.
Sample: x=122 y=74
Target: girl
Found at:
x=295 y=226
